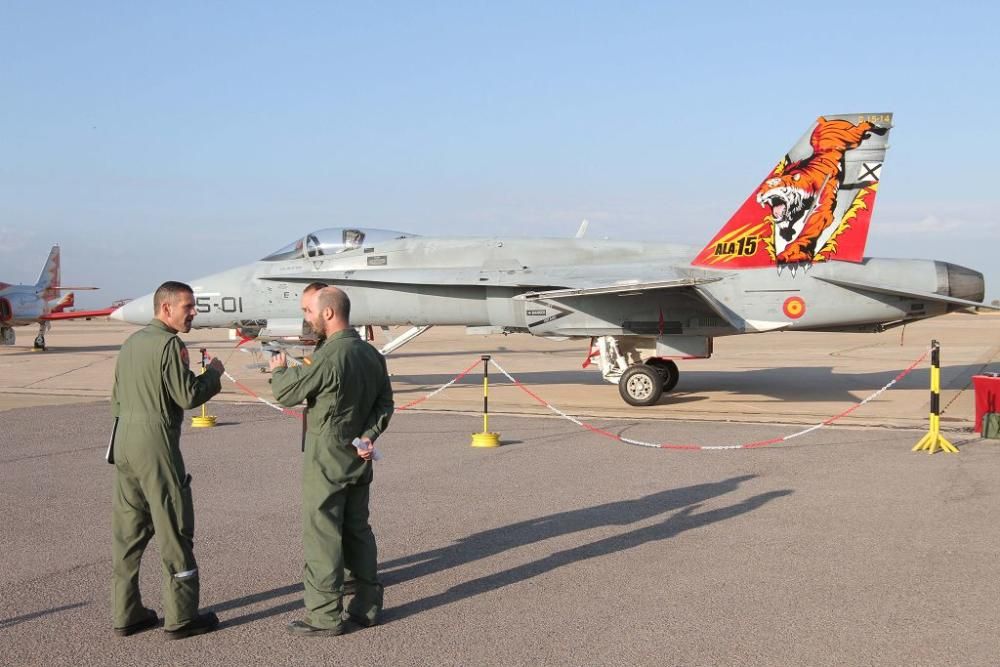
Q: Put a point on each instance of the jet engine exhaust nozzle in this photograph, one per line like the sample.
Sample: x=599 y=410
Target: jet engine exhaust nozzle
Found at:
x=960 y=282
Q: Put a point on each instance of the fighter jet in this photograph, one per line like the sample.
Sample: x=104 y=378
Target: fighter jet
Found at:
x=790 y=259
x=39 y=303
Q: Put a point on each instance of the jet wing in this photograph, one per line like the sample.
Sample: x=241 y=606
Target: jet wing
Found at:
x=586 y=298
x=929 y=296
x=622 y=289
x=77 y=314
x=579 y=287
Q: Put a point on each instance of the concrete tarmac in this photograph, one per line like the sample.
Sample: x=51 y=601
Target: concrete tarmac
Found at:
x=560 y=547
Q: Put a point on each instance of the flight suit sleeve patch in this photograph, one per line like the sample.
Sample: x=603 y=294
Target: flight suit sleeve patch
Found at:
x=185 y=358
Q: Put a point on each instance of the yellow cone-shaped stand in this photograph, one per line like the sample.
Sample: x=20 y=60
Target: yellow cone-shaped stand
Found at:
x=486 y=438
x=204 y=420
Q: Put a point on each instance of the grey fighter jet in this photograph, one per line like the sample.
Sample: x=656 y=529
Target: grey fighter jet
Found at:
x=790 y=258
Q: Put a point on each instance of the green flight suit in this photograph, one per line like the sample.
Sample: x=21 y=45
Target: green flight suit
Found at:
x=153 y=386
x=348 y=395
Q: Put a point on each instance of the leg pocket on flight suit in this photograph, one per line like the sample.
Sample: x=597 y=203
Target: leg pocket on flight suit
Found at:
x=186 y=527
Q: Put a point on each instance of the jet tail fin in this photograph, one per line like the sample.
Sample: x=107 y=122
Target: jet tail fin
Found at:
x=815 y=205
x=49 y=280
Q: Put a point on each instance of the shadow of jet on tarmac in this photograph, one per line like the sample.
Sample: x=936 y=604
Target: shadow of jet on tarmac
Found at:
x=791 y=383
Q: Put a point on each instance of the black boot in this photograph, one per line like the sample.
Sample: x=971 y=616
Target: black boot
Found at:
x=201 y=624
x=148 y=621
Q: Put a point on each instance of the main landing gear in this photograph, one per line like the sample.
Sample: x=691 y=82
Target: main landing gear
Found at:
x=642 y=378
x=7 y=337
x=644 y=384
x=39 y=344
x=668 y=369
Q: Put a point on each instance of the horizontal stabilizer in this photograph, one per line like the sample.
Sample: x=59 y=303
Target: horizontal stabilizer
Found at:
x=929 y=296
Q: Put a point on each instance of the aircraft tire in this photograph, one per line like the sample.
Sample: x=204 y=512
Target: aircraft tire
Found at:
x=39 y=343
x=641 y=385
x=7 y=336
x=668 y=369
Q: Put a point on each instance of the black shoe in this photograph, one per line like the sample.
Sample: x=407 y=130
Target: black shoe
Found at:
x=149 y=621
x=200 y=625
x=363 y=621
x=303 y=629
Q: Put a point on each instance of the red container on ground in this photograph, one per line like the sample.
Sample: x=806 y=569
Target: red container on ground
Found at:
x=987 y=388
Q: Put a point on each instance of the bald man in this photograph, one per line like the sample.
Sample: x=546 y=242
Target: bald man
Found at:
x=348 y=395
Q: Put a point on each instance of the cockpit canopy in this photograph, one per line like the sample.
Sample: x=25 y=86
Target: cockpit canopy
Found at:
x=332 y=241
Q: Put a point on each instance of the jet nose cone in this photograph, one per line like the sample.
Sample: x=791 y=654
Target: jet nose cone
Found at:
x=137 y=311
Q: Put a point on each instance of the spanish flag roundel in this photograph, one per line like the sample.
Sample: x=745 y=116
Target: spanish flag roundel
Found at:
x=794 y=307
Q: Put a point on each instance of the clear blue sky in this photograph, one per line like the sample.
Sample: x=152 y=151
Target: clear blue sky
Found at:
x=162 y=141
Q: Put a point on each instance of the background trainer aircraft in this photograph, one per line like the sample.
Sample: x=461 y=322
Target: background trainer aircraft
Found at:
x=790 y=258
x=39 y=303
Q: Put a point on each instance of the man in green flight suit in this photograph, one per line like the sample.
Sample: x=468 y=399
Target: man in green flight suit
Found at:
x=348 y=396
x=153 y=386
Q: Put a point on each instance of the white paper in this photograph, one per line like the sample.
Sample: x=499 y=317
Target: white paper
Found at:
x=360 y=445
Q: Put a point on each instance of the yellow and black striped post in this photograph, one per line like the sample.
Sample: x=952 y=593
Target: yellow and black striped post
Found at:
x=934 y=440
x=205 y=420
x=486 y=439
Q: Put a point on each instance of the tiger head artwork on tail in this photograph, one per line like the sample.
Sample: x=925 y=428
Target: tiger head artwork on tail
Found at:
x=814 y=206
